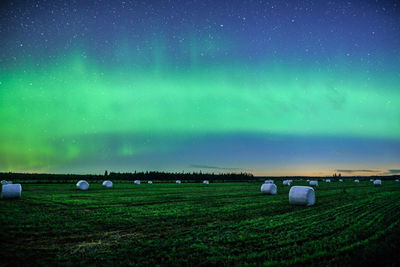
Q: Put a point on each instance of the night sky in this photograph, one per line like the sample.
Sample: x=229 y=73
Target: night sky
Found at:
x=268 y=87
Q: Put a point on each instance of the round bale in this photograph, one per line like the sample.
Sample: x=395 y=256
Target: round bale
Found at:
x=108 y=184
x=268 y=189
x=137 y=181
x=356 y=181
x=269 y=182
x=377 y=182
x=82 y=185
x=150 y=182
x=206 y=182
x=340 y=180
x=10 y=191
x=286 y=182
x=178 y=181
x=314 y=183
x=302 y=195
x=328 y=180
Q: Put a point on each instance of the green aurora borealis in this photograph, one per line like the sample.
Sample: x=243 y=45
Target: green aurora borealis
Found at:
x=78 y=97
x=76 y=113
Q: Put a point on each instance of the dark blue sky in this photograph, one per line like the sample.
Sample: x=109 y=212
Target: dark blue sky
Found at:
x=269 y=87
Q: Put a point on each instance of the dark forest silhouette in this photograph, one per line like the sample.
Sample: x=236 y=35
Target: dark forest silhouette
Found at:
x=166 y=177
x=127 y=176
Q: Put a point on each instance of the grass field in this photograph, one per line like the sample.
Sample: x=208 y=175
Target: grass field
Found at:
x=196 y=224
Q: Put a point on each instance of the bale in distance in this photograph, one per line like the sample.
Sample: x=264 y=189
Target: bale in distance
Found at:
x=11 y=191
x=302 y=195
x=4 y=182
x=108 y=184
x=136 y=182
x=150 y=182
x=286 y=182
x=268 y=182
x=206 y=182
x=328 y=180
x=396 y=180
x=371 y=180
x=356 y=181
x=178 y=181
x=340 y=180
x=377 y=182
x=268 y=189
x=82 y=185
x=313 y=183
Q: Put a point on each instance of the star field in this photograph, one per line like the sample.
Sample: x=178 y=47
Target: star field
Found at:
x=269 y=87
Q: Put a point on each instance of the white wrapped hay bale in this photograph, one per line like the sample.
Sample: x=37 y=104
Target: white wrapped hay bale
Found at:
x=313 y=183
x=371 y=180
x=356 y=181
x=136 y=182
x=396 y=180
x=340 y=180
x=286 y=182
x=377 y=182
x=269 y=182
x=11 y=191
x=268 y=189
x=3 y=182
x=328 y=180
x=150 y=182
x=178 y=181
x=82 y=185
x=108 y=184
x=302 y=195
x=206 y=182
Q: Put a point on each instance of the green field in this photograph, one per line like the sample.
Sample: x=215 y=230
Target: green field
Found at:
x=196 y=224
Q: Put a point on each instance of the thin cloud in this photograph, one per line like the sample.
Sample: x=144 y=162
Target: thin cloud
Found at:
x=351 y=171
x=341 y=152
x=393 y=171
x=212 y=167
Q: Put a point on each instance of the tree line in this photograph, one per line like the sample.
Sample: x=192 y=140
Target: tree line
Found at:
x=193 y=176
x=127 y=176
